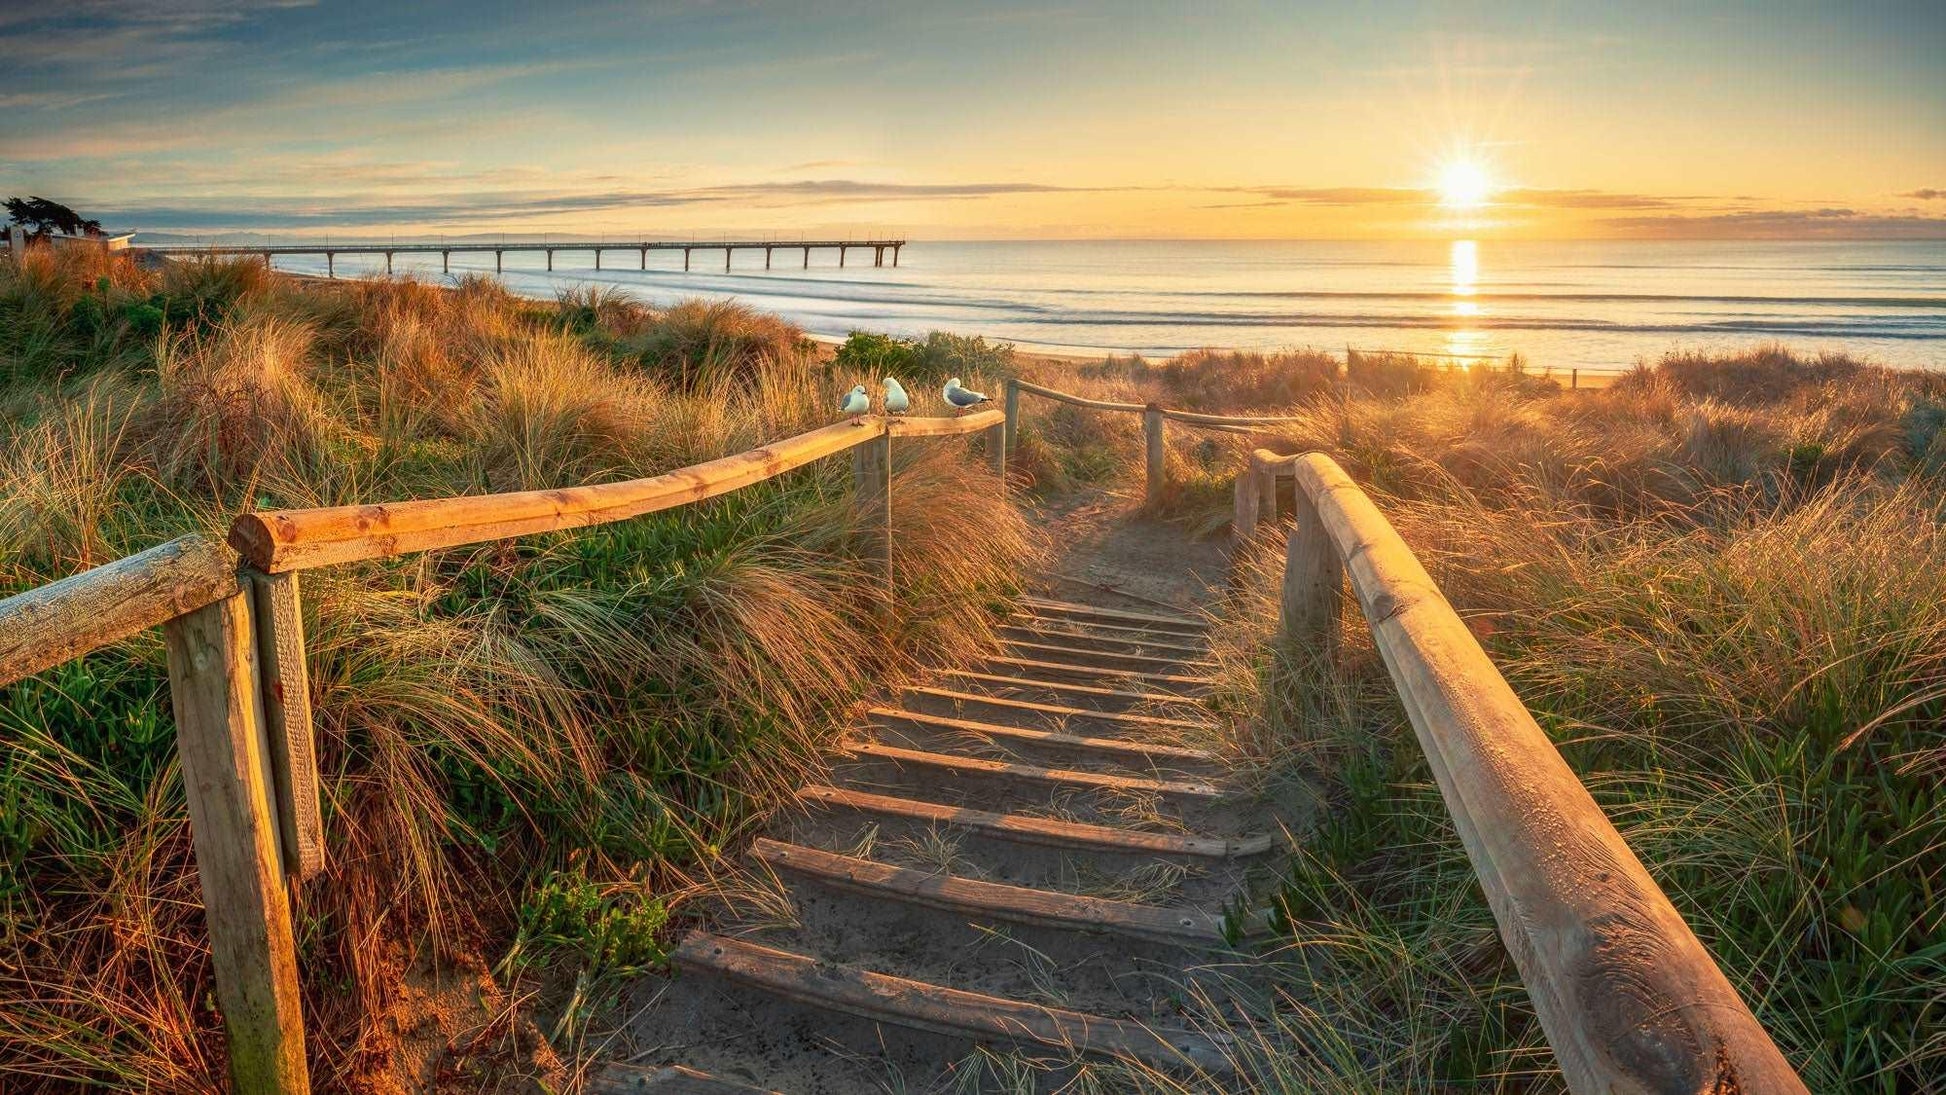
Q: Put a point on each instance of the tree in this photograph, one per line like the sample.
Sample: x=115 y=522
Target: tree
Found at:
x=41 y=218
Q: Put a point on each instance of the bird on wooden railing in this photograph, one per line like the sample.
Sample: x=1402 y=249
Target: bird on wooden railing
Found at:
x=962 y=398
x=896 y=401
x=856 y=403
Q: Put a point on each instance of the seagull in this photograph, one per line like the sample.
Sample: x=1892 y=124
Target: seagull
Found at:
x=962 y=398
x=896 y=401
x=856 y=402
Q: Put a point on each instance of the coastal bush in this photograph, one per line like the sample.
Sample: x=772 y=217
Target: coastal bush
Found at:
x=536 y=754
x=928 y=362
x=697 y=343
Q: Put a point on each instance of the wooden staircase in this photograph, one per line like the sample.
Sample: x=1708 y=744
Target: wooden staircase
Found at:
x=1032 y=854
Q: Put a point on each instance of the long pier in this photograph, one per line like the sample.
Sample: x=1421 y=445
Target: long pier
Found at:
x=446 y=251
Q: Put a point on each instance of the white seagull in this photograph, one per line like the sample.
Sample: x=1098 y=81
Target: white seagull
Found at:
x=962 y=398
x=856 y=402
x=896 y=401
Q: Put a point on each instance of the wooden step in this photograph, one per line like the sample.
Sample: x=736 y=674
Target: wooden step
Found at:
x=1042 y=668
x=1107 y=659
x=952 y=1012
x=1042 y=831
x=1039 y=632
x=1122 y=616
x=1120 y=750
x=949 y=763
x=1115 y=695
x=666 y=1080
x=976 y=899
x=1101 y=629
x=1058 y=711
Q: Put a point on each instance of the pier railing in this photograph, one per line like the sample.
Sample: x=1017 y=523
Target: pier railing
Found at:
x=1627 y=995
x=232 y=626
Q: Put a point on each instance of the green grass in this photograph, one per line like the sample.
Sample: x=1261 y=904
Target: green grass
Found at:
x=535 y=754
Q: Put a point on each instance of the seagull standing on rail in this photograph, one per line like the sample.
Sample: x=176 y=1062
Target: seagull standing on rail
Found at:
x=896 y=401
x=856 y=403
x=960 y=398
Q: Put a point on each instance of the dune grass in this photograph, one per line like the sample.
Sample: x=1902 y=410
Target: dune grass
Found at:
x=1718 y=585
x=535 y=752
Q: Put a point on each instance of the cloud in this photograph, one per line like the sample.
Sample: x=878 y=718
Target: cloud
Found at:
x=1335 y=195
x=1394 y=195
x=1826 y=223
x=1586 y=199
x=469 y=208
x=1925 y=193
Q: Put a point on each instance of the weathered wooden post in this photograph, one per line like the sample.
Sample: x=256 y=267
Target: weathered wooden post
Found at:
x=330 y=264
x=278 y=616
x=871 y=467
x=1313 y=576
x=1010 y=430
x=1243 y=519
x=1157 y=462
x=213 y=687
x=1574 y=378
x=997 y=442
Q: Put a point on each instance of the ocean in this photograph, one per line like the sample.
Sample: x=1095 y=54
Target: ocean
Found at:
x=1585 y=305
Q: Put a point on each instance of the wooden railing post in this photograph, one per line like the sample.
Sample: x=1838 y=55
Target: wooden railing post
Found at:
x=226 y=777
x=279 y=618
x=1157 y=455
x=1313 y=577
x=997 y=441
x=1010 y=430
x=871 y=468
x=1243 y=520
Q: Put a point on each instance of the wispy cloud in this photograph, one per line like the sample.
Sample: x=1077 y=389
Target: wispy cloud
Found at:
x=1925 y=193
x=474 y=208
x=1827 y=223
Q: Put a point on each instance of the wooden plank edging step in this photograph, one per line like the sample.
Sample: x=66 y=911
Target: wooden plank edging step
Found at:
x=972 y=897
x=1124 y=750
x=1070 y=686
x=1074 y=655
x=1036 y=630
x=1029 y=773
x=1128 y=717
x=1046 y=832
x=1032 y=665
x=1122 y=616
x=1103 y=630
x=953 y=1012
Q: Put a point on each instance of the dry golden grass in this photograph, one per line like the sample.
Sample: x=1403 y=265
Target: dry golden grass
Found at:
x=532 y=751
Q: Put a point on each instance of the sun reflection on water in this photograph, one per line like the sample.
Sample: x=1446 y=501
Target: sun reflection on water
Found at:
x=1462 y=339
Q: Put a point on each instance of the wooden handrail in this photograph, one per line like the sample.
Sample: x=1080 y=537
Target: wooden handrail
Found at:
x=283 y=540
x=1628 y=997
x=1228 y=420
x=59 y=622
x=1078 y=401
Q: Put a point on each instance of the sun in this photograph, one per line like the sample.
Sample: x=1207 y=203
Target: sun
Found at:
x=1464 y=184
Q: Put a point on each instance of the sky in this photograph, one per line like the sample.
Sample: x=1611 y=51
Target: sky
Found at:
x=1081 y=119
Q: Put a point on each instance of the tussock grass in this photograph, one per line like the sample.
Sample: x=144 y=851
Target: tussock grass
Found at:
x=536 y=754
x=1717 y=584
